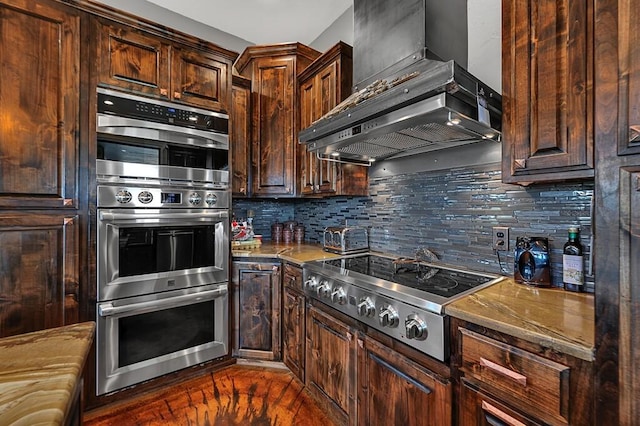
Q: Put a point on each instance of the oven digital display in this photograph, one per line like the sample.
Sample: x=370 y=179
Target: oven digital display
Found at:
x=171 y=197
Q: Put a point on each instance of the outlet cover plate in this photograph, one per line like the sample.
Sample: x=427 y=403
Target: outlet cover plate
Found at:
x=500 y=238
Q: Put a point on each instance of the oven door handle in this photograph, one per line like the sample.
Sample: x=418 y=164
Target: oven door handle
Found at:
x=112 y=217
x=107 y=309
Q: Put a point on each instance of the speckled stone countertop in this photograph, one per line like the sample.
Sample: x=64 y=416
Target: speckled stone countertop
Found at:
x=295 y=253
x=39 y=373
x=553 y=318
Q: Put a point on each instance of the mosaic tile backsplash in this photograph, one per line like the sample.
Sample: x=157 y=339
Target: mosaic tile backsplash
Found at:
x=451 y=212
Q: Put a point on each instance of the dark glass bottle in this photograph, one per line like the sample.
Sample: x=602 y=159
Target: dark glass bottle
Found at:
x=572 y=262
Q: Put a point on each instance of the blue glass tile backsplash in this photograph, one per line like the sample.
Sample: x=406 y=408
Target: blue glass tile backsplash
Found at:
x=451 y=212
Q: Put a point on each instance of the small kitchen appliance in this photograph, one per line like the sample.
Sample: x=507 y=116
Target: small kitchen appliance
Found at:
x=346 y=239
x=531 y=261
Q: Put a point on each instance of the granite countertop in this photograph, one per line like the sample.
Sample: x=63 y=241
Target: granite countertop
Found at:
x=295 y=252
x=554 y=318
x=39 y=373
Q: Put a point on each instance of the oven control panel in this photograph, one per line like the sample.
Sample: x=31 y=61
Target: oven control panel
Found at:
x=139 y=197
x=416 y=327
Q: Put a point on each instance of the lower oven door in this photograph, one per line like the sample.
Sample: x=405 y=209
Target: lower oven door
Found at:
x=140 y=338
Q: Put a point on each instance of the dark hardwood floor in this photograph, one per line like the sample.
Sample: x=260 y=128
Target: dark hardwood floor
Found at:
x=236 y=395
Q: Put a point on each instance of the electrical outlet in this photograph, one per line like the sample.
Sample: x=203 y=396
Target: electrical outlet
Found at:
x=500 y=238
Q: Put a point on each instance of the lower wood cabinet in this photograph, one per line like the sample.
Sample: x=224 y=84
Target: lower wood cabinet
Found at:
x=331 y=363
x=256 y=299
x=505 y=380
x=293 y=320
x=393 y=389
x=39 y=272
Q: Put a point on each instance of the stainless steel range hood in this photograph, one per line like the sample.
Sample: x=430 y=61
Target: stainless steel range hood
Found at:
x=407 y=100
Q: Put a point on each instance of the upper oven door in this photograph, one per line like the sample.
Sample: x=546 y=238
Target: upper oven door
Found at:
x=143 y=251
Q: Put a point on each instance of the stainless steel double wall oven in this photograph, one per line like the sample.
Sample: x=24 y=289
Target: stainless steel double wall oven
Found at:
x=162 y=238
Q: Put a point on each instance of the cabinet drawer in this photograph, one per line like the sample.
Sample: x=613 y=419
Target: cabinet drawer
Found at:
x=292 y=277
x=521 y=378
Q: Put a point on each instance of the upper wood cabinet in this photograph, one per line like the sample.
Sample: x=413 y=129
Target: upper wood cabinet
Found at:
x=39 y=110
x=547 y=75
x=240 y=136
x=324 y=84
x=275 y=153
x=135 y=60
x=629 y=77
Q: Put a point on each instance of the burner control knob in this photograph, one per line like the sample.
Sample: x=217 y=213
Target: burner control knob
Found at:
x=415 y=328
x=123 y=196
x=195 y=198
x=324 y=290
x=311 y=283
x=388 y=317
x=366 y=308
x=338 y=296
x=211 y=199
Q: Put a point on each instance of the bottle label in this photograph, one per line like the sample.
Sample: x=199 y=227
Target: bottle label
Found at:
x=572 y=269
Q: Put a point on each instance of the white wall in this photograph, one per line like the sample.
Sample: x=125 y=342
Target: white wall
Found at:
x=485 y=41
x=340 y=30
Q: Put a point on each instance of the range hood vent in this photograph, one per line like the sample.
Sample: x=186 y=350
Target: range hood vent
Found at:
x=407 y=101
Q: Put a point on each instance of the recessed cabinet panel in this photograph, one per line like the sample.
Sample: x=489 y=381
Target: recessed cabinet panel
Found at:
x=135 y=61
x=629 y=68
x=39 y=107
x=547 y=90
x=240 y=136
x=199 y=80
x=39 y=275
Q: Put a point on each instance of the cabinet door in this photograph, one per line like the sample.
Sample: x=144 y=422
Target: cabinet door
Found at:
x=629 y=79
x=200 y=80
x=308 y=114
x=478 y=409
x=293 y=328
x=39 y=107
x=134 y=60
x=256 y=288
x=395 y=390
x=547 y=90
x=39 y=272
x=239 y=135
x=331 y=363
x=274 y=142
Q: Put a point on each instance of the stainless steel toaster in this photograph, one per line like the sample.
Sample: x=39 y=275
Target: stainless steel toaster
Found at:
x=346 y=239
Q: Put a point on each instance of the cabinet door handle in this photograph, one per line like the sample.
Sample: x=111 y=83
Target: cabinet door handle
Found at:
x=500 y=415
x=177 y=95
x=164 y=92
x=520 y=163
x=519 y=378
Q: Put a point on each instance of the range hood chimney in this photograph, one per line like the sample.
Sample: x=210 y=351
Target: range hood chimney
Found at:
x=412 y=92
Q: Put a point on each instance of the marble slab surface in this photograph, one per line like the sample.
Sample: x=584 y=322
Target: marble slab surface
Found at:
x=39 y=373
x=554 y=318
x=296 y=252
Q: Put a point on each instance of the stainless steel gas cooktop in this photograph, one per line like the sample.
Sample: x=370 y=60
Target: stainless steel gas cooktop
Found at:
x=403 y=298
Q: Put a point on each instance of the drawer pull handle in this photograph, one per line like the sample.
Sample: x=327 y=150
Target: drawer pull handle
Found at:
x=504 y=371
x=496 y=412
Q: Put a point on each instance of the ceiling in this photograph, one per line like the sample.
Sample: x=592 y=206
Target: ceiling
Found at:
x=263 y=21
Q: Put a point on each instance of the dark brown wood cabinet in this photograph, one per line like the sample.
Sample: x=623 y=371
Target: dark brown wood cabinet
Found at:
x=275 y=152
x=240 y=136
x=138 y=61
x=40 y=107
x=40 y=193
x=505 y=378
x=256 y=297
x=393 y=389
x=293 y=320
x=629 y=78
x=324 y=84
x=39 y=271
x=331 y=363
x=547 y=74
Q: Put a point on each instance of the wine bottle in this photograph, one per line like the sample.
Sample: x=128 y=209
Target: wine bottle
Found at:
x=572 y=262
